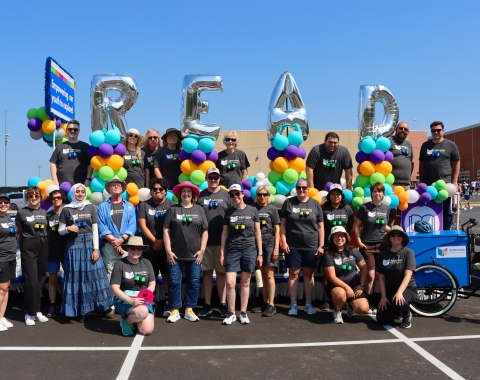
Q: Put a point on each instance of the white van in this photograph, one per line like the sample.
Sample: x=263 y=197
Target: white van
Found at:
x=17 y=200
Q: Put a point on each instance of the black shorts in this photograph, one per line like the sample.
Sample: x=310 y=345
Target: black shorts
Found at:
x=158 y=259
x=7 y=271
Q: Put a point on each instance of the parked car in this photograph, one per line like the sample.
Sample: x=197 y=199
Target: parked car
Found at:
x=17 y=200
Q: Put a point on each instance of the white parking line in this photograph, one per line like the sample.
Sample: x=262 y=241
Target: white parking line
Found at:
x=131 y=357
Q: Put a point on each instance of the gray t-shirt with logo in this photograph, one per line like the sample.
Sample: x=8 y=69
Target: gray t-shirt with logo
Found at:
x=214 y=205
x=345 y=266
x=437 y=159
x=402 y=161
x=72 y=161
x=231 y=166
x=369 y=214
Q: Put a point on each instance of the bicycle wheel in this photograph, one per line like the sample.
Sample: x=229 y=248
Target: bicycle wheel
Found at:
x=436 y=290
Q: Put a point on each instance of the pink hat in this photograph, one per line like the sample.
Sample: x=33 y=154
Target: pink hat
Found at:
x=177 y=189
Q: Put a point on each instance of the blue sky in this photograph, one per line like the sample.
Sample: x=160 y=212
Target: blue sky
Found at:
x=426 y=52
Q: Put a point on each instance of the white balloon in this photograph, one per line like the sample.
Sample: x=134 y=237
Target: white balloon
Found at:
x=323 y=193
x=260 y=183
x=279 y=200
x=60 y=133
x=106 y=195
x=343 y=182
x=260 y=176
x=293 y=192
x=413 y=196
x=451 y=189
x=267 y=182
x=368 y=199
x=144 y=194
x=50 y=188
x=96 y=198
x=387 y=200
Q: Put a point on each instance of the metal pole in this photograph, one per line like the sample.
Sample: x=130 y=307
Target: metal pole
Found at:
x=6 y=142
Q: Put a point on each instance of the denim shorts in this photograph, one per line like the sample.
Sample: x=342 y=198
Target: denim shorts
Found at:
x=53 y=267
x=241 y=260
x=123 y=308
x=301 y=259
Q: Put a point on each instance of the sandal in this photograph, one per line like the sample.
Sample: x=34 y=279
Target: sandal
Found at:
x=51 y=311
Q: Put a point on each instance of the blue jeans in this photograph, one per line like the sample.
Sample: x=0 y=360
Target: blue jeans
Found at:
x=192 y=282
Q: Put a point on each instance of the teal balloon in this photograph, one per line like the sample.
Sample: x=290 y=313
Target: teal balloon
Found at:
x=206 y=145
x=295 y=138
x=367 y=146
x=97 y=185
x=189 y=144
x=32 y=181
x=49 y=136
x=395 y=201
x=124 y=195
x=32 y=113
x=169 y=195
x=432 y=191
x=192 y=136
x=383 y=144
x=274 y=177
x=362 y=181
x=358 y=192
x=203 y=186
x=253 y=192
x=280 y=142
x=97 y=138
x=367 y=192
x=348 y=194
x=388 y=189
x=282 y=187
x=113 y=137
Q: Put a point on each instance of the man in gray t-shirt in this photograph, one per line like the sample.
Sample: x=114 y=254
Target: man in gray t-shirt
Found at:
x=327 y=161
x=440 y=159
x=401 y=148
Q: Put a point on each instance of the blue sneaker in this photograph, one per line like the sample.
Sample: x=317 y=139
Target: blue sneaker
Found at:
x=127 y=328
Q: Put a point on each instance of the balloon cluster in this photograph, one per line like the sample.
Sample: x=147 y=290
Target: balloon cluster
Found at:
x=196 y=158
x=46 y=187
x=43 y=127
x=437 y=192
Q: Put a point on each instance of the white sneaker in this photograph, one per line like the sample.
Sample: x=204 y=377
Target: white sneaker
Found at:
x=471 y=207
x=29 y=320
x=5 y=322
x=337 y=317
x=3 y=328
x=40 y=317
x=350 y=312
x=372 y=311
x=309 y=309
x=244 y=319
x=293 y=309
x=231 y=317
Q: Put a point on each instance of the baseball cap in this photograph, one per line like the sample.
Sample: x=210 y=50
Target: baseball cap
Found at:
x=235 y=187
x=213 y=170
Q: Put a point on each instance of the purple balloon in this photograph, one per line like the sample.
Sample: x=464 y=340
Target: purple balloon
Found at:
x=58 y=123
x=389 y=156
x=273 y=153
x=105 y=150
x=422 y=188
x=291 y=152
x=246 y=184
x=361 y=156
x=45 y=205
x=377 y=156
x=327 y=186
x=302 y=153
x=425 y=198
x=120 y=149
x=65 y=187
x=34 y=124
x=184 y=155
x=92 y=151
x=198 y=156
x=246 y=193
x=212 y=156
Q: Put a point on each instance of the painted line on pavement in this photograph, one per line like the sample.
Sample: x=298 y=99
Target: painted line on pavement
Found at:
x=131 y=357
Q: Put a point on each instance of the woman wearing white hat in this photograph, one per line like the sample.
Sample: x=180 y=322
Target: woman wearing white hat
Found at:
x=134 y=158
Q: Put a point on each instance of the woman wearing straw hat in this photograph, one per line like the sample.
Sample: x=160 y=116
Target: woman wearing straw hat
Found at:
x=167 y=159
x=134 y=158
x=344 y=285
x=130 y=276
x=185 y=235
x=396 y=266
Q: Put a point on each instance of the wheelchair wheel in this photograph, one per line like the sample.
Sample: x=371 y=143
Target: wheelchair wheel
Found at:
x=436 y=290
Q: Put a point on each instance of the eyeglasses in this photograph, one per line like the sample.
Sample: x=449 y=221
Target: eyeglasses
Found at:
x=232 y=195
x=213 y=177
x=133 y=135
x=152 y=137
x=158 y=189
x=230 y=139
x=59 y=198
x=396 y=235
x=403 y=129
x=115 y=185
x=4 y=202
x=304 y=188
x=73 y=129
x=262 y=194
x=31 y=196
x=436 y=130
x=134 y=248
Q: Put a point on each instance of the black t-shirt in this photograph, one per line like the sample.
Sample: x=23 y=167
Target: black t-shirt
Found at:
x=116 y=213
x=149 y=161
x=74 y=169
x=154 y=215
x=435 y=168
x=33 y=223
x=56 y=242
x=302 y=229
x=8 y=240
x=345 y=266
x=328 y=167
x=135 y=172
x=168 y=161
x=214 y=205
x=342 y=214
x=124 y=273
x=402 y=162
x=393 y=265
x=230 y=175
x=369 y=214
x=82 y=218
x=268 y=219
x=241 y=227
x=185 y=234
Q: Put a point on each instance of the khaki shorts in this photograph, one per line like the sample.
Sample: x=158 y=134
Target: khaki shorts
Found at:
x=211 y=259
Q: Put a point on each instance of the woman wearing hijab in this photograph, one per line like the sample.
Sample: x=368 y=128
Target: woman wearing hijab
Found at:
x=86 y=287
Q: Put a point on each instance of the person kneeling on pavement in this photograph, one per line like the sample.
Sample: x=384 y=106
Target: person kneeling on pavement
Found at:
x=344 y=285
x=132 y=277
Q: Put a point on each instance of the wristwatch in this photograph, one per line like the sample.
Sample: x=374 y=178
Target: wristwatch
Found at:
x=362 y=285
x=260 y=254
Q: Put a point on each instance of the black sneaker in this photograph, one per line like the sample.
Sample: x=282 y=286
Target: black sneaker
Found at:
x=206 y=311
x=81 y=319
x=166 y=309
x=269 y=311
x=407 y=321
x=325 y=306
x=223 y=309
x=398 y=317
x=260 y=309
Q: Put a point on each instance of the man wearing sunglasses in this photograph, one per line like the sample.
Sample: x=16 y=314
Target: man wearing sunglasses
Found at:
x=70 y=161
x=440 y=159
x=215 y=201
x=327 y=161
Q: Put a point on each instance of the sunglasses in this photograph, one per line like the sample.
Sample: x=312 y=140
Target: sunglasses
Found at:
x=73 y=129
x=304 y=188
x=403 y=129
x=31 y=196
x=152 y=137
x=133 y=135
x=232 y=195
x=158 y=189
x=262 y=195
x=56 y=198
x=213 y=177
x=436 y=130
x=396 y=235
x=342 y=236
x=4 y=202
x=230 y=139
x=134 y=248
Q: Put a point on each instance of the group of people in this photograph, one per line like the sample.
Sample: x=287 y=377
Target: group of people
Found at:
x=108 y=269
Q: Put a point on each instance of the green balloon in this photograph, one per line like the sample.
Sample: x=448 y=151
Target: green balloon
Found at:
x=390 y=179
x=121 y=173
x=175 y=199
x=358 y=192
x=272 y=198
x=290 y=176
x=197 y=177
x=273 y=190
x=436 y=200
x=357 y=202
x=363 y=181
x=183 y=177
x=65 y=139
x=274 y=177
x=106 y=173
x=377 y=177
x=95 y=174
x=303 y=175
x=32 y=113
x=42 y=114
x=442 y=194
x=89 y=192
x=440 y=185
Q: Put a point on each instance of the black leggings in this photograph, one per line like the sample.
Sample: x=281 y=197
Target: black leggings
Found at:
x=385 y=316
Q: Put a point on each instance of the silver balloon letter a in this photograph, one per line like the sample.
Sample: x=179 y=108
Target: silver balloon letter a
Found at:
x=279 y=116
x=192 y=106
x=105 y=107
x=369 y=95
